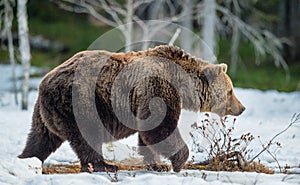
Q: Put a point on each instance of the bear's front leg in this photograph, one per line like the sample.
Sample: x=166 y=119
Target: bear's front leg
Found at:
x=179 y=159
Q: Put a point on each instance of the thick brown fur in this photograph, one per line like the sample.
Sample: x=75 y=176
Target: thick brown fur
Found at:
x=54 y=122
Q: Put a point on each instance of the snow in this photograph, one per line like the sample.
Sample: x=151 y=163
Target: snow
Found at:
x=267 y=113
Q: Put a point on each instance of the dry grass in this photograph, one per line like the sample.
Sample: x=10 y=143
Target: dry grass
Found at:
x=61 y=168
x=137 y=164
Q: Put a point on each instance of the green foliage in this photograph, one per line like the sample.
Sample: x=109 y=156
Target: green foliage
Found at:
x=269 y=6
x=4 y=57
x=73 y=30
x=263 y=76
x=266 y=76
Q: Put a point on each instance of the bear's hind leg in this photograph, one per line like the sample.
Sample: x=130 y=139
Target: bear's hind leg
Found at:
x=87 y=155
x=171 y=146
x=151 y=158
x=40 y=142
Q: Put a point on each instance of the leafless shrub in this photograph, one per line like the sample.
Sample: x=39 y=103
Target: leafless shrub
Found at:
x=226 y=153
x=295 y=119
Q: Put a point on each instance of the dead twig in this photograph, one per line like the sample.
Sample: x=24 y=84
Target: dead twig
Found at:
x=295 y=119
x=112 y=179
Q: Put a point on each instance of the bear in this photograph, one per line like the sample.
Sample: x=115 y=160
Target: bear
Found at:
x=99 y=96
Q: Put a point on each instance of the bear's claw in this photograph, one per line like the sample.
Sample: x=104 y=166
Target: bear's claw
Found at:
x=158 y=167
x=98 y=167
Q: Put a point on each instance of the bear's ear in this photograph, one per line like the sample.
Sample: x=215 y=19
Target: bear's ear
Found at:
x=223 y=67
x=219 y=68
x=211 y=71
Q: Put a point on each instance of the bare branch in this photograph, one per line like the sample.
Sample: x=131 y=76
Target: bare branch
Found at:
x=274 y=159
x=70 y=8
x=271 y=155
x=236 y=5
x=175 y=36
x=295 y=119
x=119 y=15
x=85 y=8
x=264 y=42
x=136 y=4
x=110 y=11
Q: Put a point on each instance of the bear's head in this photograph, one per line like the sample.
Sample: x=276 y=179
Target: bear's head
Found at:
x=221 y=98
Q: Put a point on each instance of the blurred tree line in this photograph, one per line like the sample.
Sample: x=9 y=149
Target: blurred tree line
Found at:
x=280 y=17
x=271 y=26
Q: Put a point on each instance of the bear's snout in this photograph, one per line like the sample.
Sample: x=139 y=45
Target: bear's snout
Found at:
x=236 y=108
x=240 y=109
x=243 y=109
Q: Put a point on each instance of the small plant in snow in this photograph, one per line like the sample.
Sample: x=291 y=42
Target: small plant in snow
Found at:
x=266 y=147
x=225 y=152
x=114 y=178
x=228 y=153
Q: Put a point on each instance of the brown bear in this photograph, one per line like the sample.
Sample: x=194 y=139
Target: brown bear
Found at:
x=98 y=96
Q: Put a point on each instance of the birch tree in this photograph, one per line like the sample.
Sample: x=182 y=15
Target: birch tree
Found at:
x=6 y=16
x=235 y=38
x=187 y=22
x=208 y=31
x=24 y=49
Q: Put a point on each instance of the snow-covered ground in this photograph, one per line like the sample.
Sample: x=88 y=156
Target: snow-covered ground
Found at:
x=267 y=113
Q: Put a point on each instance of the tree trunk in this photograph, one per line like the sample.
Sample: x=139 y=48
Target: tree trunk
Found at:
x=8 y=24
x=283 y=22
x=295 y=28
x=235 y=41
x=24 y=48
x=129 y=23
x=234 y=50
x=289 y=26
x=187 y=22
x=208 y=31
